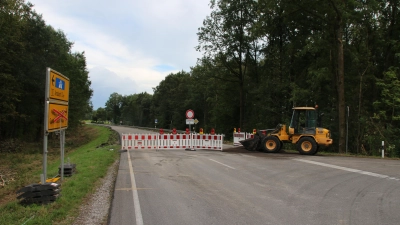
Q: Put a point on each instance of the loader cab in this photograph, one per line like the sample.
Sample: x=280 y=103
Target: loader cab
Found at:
x=304 y=120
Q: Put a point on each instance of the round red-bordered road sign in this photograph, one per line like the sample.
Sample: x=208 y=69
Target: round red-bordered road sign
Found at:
x=189 y=114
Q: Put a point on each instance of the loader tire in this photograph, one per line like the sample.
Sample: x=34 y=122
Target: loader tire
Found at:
x=307 y=146
x=271 y=144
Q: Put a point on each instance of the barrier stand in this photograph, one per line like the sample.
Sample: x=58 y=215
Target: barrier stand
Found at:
x=190 y=143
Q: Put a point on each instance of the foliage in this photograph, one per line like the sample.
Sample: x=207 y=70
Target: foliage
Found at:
x=27 y=47
x=227 y=41
x=114 y=105
x=388 y=106
x=261 y=58
x=170 y=100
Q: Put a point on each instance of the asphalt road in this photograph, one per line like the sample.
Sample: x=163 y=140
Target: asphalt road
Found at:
x=240 y=187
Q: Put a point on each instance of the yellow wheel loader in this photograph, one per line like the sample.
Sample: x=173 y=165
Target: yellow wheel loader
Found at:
x=304 y=131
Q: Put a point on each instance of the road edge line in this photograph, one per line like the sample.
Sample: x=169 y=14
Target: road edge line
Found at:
x=136 y=203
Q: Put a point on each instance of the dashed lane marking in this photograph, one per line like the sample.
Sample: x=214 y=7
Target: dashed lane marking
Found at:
x=222 y=164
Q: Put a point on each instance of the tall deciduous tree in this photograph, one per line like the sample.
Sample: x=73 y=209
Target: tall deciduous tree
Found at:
x=226 y=37
x=114 y=105
x=12 y=23
x=309 y=24
x=27 y=47
x=170 y=100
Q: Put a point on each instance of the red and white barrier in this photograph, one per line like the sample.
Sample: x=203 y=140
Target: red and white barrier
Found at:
x=139 y=141
x=237 y=137
x=249 y=135
x=172 y=141
x=208 y=141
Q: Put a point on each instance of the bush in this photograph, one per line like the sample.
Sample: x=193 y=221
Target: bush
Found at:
x=10 y=145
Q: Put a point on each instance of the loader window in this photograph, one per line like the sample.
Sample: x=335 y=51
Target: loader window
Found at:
x=298 y=121
x=311 y=119
x=304 y=121
x=295 y=121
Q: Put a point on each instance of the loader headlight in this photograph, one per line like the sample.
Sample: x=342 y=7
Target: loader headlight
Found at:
x=328 y=135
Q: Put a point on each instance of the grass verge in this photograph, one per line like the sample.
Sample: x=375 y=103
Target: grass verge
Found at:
x=91 y=162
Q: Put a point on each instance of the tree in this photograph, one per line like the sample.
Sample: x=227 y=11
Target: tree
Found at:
x=12 y=22
x=388 y=106
x=101 y=114
x=114 y=105
x=27 y=47
x=170 y=100
x=227 y=40
x=136 y=109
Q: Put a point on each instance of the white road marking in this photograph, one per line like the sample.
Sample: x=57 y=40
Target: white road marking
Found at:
x=348 y=169
x=222 y=164
x=136 y=203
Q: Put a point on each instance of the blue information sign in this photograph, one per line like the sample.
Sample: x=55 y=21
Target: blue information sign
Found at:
x=60 y=84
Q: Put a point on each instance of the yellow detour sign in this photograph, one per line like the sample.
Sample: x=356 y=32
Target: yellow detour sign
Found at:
x=58 y=86
x=57 y=97
x=57 y=117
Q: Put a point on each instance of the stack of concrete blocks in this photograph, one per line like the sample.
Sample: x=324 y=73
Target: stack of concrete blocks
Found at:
x=39 y=193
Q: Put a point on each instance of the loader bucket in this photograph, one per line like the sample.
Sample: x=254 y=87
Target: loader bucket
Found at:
x=250 y=144
x=253 y=144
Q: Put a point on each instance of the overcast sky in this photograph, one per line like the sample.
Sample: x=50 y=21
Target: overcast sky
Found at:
x=130 y=45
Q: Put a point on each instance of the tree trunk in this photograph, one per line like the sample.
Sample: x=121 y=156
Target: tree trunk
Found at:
x=241 y=90
x=340 y=87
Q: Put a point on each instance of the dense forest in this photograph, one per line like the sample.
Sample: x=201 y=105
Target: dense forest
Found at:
x=259 y=59
x=27 y=47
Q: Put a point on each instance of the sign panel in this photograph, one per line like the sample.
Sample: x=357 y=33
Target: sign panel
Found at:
x=196 y=121
x=189 y=114
x=58 y=86
x=189 y=121
x=57 y=117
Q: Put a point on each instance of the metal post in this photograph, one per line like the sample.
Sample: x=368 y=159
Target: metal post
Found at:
x=347 y=131
x=383 y=149
x=191 y=141
x=45 y=137
x=62 y=141
x=43 y=176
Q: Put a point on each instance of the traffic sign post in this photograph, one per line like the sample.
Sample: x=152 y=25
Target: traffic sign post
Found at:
x=55 y=114
x=189 y=118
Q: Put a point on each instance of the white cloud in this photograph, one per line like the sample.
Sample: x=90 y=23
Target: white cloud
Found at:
x=106 y=82
x=131 y=42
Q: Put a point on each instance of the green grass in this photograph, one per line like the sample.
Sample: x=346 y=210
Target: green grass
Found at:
x=91 y=164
